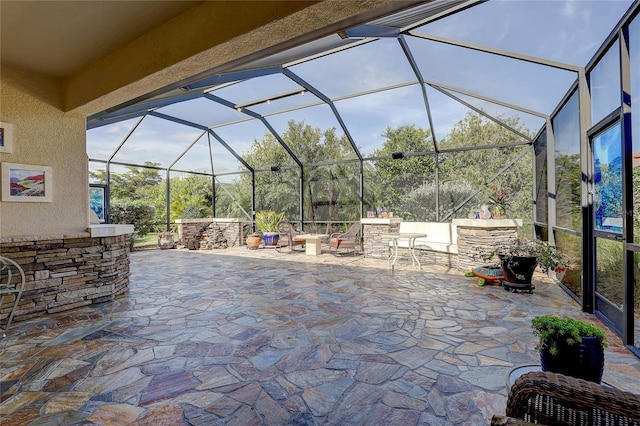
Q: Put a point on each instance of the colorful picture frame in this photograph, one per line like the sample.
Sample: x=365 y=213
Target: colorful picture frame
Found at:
x=6 y=137
x=27 y=183
x=97 y=201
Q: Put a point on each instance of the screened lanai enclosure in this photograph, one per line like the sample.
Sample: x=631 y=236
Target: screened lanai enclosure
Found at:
x=432 y=114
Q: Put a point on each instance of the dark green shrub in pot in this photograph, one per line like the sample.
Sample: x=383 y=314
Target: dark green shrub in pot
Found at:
x=519 y=258
x=569 y=346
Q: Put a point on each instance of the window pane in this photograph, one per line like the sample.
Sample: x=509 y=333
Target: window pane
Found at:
x=571 y=246
x=258 y=88
x=313 y=134
x=331 y=195
x=500 y=179
x=609 y=270
x=605 y=84
x=566 y=129
x=158 y=141
x=233 y=196
x=636 y=295
x=369 y=115
x=244 y=139
x=370 y=66
x=104 y=140
x=528 y=85
x=607 y=180
x=97 y=173
x=279 y=191
x=546 y=29
x=191 y=196
x=197 y=158
x=542 y=205
x=634 y=52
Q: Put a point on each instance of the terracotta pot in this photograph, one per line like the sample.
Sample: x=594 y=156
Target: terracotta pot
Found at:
x=253 y=241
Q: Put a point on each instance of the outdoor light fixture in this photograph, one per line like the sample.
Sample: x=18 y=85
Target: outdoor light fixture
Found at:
x=275 y=168
x=271 y=99
x=397 y=155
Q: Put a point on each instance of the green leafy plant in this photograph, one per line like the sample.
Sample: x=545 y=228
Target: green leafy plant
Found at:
x=548 y=257
x=551 y=330
x=266 y=220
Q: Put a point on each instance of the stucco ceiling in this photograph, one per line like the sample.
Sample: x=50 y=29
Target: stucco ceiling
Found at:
x=58 y=38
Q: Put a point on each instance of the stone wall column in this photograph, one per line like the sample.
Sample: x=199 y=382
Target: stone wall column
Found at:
x=372 y=243
x=476 y=236
x=192 y=231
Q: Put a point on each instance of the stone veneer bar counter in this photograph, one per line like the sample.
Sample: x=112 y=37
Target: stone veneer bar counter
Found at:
x=478 y=235
x=66 y=271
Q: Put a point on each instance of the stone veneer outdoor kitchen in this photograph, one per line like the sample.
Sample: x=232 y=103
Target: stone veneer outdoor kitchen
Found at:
x=472 y=237
x=67 y=271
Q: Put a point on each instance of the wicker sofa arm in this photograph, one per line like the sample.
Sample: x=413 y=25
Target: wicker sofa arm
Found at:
x=551 y=398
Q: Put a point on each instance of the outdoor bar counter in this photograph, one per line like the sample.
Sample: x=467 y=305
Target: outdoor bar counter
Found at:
x=66 y=271
x=455 y=244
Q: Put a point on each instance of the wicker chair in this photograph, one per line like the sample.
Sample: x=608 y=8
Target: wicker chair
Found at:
x=345 y=240
x=554 y=399
x=288 y=236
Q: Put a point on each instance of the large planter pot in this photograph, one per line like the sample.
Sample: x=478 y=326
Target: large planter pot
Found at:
x=253 y=241
x=584 y=360
x=518 y=271
x=270 y=238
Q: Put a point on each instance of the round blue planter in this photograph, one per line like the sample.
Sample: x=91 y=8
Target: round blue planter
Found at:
x=270 y=238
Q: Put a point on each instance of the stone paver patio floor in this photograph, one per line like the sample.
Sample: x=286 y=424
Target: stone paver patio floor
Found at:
x=237 y=337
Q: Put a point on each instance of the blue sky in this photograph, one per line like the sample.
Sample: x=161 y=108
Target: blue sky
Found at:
x=565 y=31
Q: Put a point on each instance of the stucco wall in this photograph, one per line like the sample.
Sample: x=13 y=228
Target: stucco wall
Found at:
x=44 y=135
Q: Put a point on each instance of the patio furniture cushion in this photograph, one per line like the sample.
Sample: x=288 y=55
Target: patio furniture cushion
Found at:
x=345 y=240
x=288 y=236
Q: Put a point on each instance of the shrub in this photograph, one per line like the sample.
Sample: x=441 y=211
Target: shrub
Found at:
x=552 y=330
x=420 y=205
x=139 y=214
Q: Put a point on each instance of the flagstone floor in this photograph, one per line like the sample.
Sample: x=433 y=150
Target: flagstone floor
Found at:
x=241 y=337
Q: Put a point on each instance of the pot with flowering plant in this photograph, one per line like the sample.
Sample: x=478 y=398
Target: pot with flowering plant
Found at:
x=498 y=199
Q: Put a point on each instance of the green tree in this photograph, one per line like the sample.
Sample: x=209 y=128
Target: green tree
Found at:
x=397 y=178
x=490 y=169
x=191 y=197
x=324 y=187
x=132 y=185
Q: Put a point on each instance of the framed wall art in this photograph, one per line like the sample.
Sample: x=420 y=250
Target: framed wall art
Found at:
x=97 y=201
x=6 y=137
x=26 y=183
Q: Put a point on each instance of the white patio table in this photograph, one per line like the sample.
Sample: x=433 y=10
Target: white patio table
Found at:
x=412 y=242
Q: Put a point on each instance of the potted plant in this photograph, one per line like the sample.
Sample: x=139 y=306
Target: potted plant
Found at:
x=266 y=221
x=569 y=346
x=498 y=199
x=519 y=258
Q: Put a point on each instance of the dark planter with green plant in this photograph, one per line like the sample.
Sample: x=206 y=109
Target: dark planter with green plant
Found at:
x=571 y=347
x=520 y=257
